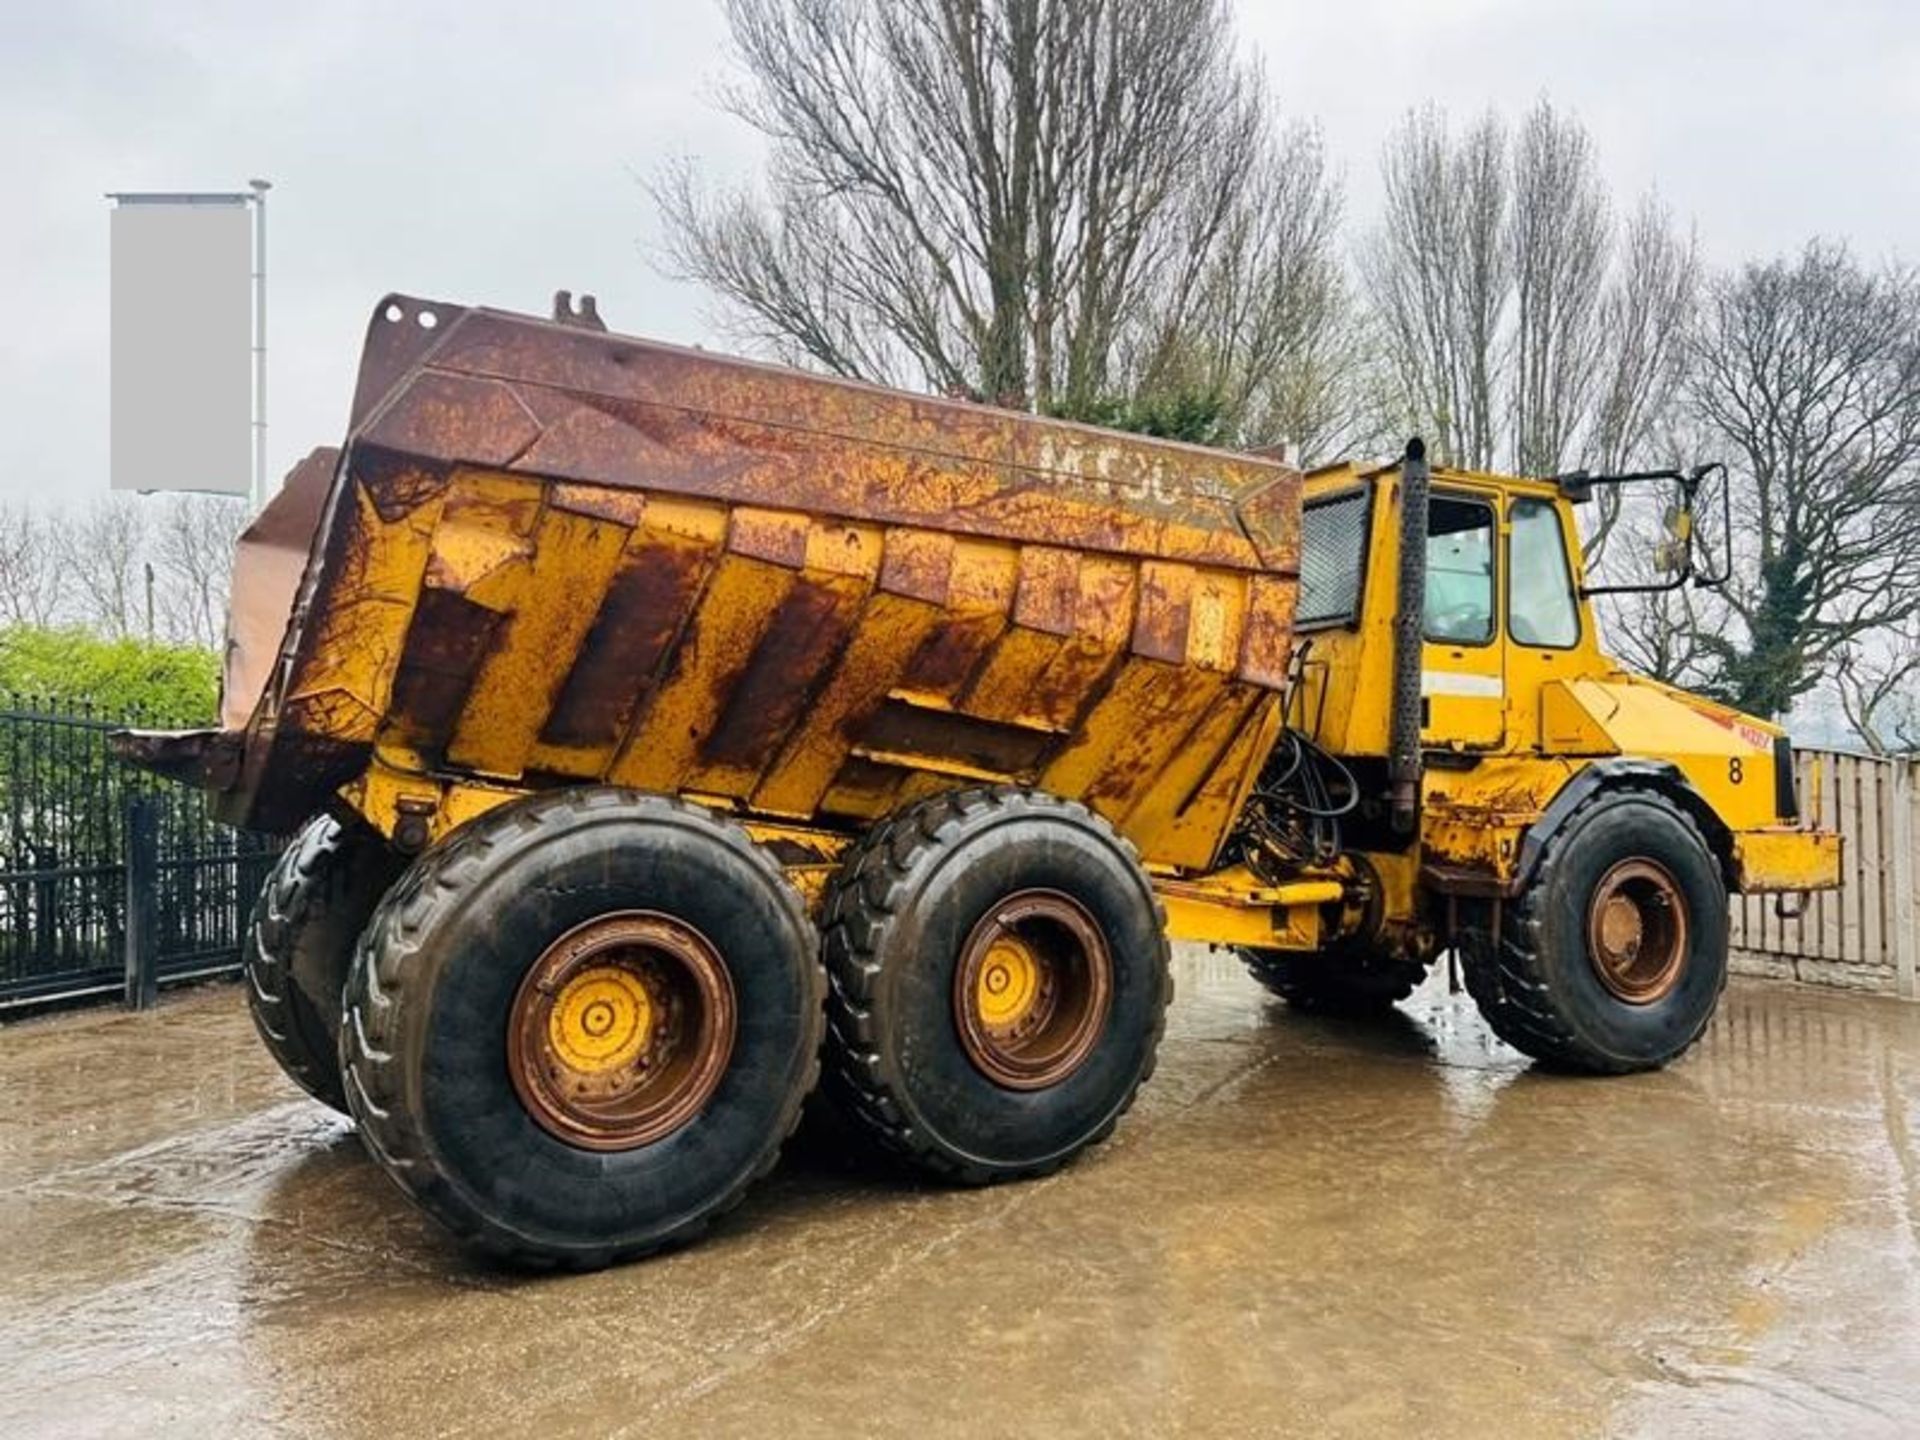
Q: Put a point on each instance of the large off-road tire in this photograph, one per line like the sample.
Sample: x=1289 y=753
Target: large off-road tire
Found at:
x=299 y=946
x=1614 y=956
x=580 y=1027
x=999 y=969
x=1344 y=979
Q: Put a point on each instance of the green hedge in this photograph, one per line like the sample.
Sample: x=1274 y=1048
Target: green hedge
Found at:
x=72 y=669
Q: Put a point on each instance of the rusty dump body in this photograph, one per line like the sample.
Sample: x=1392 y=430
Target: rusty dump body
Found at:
x=550 y=555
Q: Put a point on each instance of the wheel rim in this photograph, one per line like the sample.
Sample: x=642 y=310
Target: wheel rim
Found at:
x=1637 y=931
x=621 y=1030
x=1032 y=990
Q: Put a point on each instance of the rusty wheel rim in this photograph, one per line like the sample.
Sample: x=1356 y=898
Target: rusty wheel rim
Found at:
x=1637 y=931
x=1033 y=988
x=621 y=1030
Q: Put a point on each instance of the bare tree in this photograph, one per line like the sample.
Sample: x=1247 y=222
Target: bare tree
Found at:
x=1808 y=370
x=1261 y=319
x=1439 y=278
x=192 y=544
x=1522 y=331
x=101 y=555
x=1643 y=321
x=1022 y=201
x=1648 y=308
x=29 y=573
x=1878 y=685
x=1558 y=242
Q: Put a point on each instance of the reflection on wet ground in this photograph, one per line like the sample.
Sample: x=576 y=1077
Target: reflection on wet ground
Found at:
x=1306 y=1226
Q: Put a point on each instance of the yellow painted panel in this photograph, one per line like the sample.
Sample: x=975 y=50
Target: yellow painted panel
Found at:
x=1128 y=739
x=1216 y=619
x=1003 y=689
x=355 y=653
x=1196 y=794
x=1566 y=726
x=789 y=661
x=552 y=603
x=735 y=610
x=891 y=629
x=1782 y=859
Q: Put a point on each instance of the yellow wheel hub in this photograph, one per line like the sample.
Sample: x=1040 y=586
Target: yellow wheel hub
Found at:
x=1032 y=987
x=621 y=1030
x=1009 y=985
x=602 y=1020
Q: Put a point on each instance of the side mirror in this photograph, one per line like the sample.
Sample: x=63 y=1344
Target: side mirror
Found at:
x=1673 y=556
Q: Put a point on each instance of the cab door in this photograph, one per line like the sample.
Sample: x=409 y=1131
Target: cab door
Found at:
x=1463 y=699
x=1545 y=639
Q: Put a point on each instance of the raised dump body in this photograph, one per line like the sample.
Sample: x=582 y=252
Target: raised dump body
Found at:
x=552 y=555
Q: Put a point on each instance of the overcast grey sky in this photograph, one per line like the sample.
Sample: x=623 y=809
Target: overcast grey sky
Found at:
x=488 y=152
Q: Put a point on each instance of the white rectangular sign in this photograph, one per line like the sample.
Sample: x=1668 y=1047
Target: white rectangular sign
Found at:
x=182 y=345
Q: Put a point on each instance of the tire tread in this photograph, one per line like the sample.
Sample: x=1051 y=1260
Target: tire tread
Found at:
x=1505 y=973
x=440 y=882
x=862 y=904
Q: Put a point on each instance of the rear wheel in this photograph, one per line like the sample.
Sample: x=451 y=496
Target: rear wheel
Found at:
x=578 y=1029
x=1000 y=982
x=299 y=946
x=1615 y=955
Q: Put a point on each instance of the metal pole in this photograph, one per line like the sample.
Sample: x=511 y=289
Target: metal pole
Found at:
x=139 y=837
x=260 y=188
x=1906 y=879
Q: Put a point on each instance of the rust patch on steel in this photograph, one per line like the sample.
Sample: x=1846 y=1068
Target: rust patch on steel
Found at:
x=628 y=643
x=269 y=563
x=807 y=631
x=777 y=536
x=862 y=790
x=948 y=657
x=456 y=418
x=1269 y=509
x=917 y=564
x=1166 y=603
x=1266 y=643
x=745 y=432
x=393 y=484
x=1047 y=593
x=900 y=732
x=449 y=638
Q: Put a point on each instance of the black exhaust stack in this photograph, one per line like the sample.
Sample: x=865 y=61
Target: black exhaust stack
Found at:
x=1403 y=748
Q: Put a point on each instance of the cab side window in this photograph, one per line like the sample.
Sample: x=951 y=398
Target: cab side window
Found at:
x=1459 y=571
x=1541 y=609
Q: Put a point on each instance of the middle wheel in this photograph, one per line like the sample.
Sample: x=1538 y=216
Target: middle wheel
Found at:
x=1000 y=982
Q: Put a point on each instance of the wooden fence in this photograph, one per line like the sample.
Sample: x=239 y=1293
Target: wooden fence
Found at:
x=1865 y=935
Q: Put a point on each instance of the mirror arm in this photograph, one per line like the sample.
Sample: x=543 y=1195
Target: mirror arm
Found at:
x=1689 y=482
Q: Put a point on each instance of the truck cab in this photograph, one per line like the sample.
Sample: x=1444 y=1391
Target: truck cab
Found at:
x=1522 y=711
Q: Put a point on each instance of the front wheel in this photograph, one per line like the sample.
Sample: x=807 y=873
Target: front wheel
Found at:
x=1614 y=956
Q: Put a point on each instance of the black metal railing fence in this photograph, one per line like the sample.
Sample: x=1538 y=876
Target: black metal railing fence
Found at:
x=87 y=842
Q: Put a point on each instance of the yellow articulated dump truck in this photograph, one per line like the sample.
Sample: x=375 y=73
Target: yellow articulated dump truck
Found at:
x=664 y=734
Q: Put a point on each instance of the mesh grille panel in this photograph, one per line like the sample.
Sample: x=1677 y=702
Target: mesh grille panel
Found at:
x=1333 y=540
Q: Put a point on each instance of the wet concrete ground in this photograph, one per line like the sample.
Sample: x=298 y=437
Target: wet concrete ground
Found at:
x=1305 y=1227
